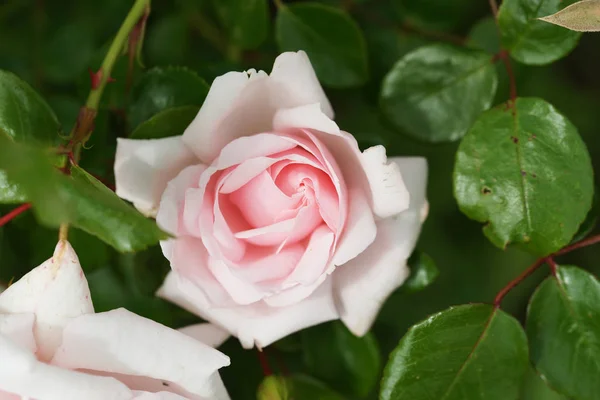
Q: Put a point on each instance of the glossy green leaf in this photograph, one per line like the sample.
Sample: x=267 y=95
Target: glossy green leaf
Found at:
x=295 y=387
x=534 y=388
x=78 y=199
x=423 y=272
x=170 y=122
x=583 y=16
x=474 y=352
x=24 y=115
x=163 y=88
x=435 y=93
x=591 y=220
x=10 y=193
x=563 y=327
x=332 y=40
x=348 y=363
x=516 y=170
x=484 y=35
x=530 y=40
x=247 y=21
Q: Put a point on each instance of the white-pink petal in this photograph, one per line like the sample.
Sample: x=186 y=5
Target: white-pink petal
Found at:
x=208 y=334
x=19 y=328
x=122 y=343
x=144 y=167
x=294 y=83
x=364 y=283
x=55 y=292
x=389 y=194
x=308 y=116
x=257 y=324
x=22 y=374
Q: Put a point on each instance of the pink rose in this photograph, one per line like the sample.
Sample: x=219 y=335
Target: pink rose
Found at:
x=53 y=346
x=280 y=221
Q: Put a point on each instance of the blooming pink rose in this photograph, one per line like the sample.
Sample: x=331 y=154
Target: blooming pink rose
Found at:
x=53 y=346
x=280 y=222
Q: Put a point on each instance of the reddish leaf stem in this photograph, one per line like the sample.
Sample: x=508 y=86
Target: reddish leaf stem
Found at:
x=582 y=243
x=552 y=264
x=11 y=215
x=512 y=284
x=264 y=362
x=494 y=7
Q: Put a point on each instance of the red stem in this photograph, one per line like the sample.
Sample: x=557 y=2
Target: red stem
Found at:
x=264 y=363
x=583 y=243
x=8 y=217
x=494 y=7
x=552 y=264
x=511 y=285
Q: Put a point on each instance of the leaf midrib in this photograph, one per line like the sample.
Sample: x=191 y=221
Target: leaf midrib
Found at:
x=470 y=355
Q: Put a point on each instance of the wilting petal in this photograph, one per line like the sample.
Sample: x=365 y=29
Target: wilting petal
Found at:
x=362 y=285
x=55 y=292
x=122 y=343
x=144 y=167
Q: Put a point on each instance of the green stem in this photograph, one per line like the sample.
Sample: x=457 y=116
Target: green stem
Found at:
x=88 y=112
x=137 y=11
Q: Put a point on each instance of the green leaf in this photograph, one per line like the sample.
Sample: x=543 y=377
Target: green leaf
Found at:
x=78 y=199
x=10 y=193
x=163 y=88
x=534 y=388
x=332 y=40
x=247 y=21
x=563 y=327
x=348 y=363
x=24 y=115
x=170 y=122
x=423 y=272
x=474 y=352
x=484 y=35
x=435 y=93
x=295 y=387
x=517 y=169
x=591 y=220
x=582 y=16
x=530 y=40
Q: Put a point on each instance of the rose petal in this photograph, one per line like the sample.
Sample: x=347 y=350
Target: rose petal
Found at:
x=209 y=334
x=19 y=329
x=364 y=283
x=55 y=292
x=294 y=83
x=237 y=105
x=389 y=194
x=170 y=212
x=121 y=342
x=360 y=229
x=308 y=116
x=258 y=323
x=143 y=168
x=22 y=374
x=156 y=396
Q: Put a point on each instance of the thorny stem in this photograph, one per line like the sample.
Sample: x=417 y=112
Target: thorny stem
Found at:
x=547 y=260
x=494 y=7
x=87 y=113
x=11 y=215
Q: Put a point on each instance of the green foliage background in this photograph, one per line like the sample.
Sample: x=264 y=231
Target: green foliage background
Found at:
x=52 y=43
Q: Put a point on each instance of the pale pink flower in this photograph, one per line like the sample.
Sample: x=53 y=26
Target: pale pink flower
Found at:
x=280 y=221
x=53 y=346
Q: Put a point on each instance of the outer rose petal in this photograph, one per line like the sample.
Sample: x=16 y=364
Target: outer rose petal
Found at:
x=257 y=323
x=55 y=292
x=22 y=374
x=125 y=344
x=243 y=103
x=19 y=329
x=362 y=285
x=208 y=334
x=156 y=396
x=143 y=168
